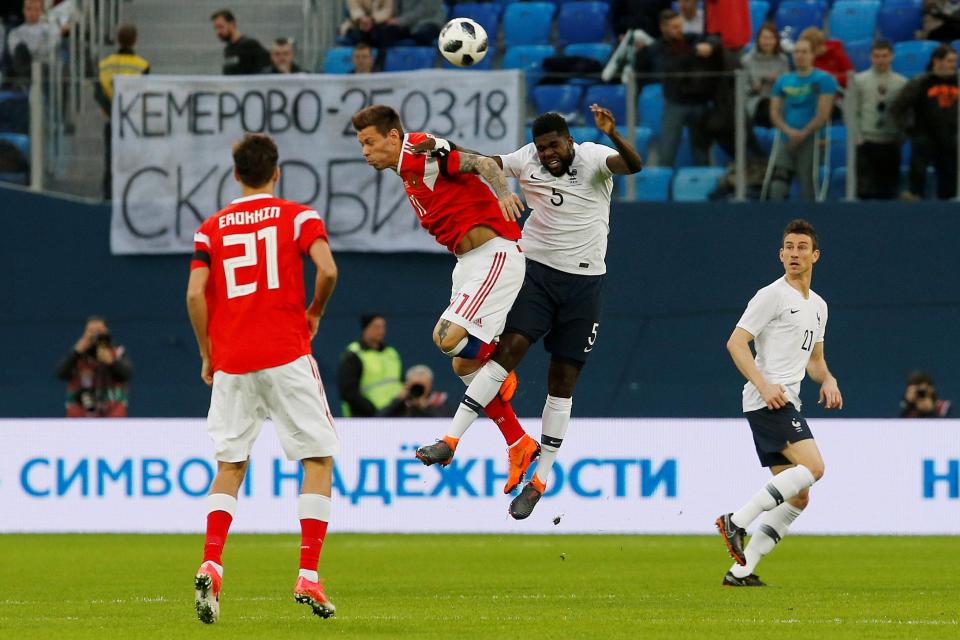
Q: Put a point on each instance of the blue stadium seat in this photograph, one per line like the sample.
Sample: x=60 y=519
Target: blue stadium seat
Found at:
x=899 y=20
x=684 y=157
x=611 y=96
x=485 y=64
x=582 y=21
x=14 y=111
x=765 y=137
x=910 y=58
x=650 y=107
x=838 y=184
x=410 y=58
x=19 y=140
x=563 y=98
x=528 y=57
x=528 y=23
x=853 y=19
x=955 y=44
x=599 y=51
x=838 y=145
x=695 y=184
x=859 y=53
x=641 y=140
x=759 y=10
x=338 y=60
x=585 y=134
x=653 y=184
x=487 y=14
x=798 y=15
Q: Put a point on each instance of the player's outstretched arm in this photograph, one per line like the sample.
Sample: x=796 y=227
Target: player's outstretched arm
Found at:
x=510 y=204
x=431 y=144
x=818 y=371
x=325 y=283
x=628 y=160
x=739 y=347
x=197 y=308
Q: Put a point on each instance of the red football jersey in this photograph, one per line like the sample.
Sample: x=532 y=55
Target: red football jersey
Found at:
x=255 y=295
x=449 y=203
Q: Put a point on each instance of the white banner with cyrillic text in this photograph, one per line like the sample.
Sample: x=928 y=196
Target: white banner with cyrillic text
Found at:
x=611 y=476
x=172 y=166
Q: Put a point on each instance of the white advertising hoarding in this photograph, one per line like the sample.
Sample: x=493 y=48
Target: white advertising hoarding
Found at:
x=612 y=476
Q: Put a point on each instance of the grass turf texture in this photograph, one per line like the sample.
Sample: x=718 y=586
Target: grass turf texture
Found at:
x=388 y=586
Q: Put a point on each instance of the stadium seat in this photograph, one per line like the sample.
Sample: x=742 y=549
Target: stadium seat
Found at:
x=838 y=145
x=653 y=184
x=582 y=21
x=485 y=64
x=859 y=53
x=684 y=157
x=853 y=20
x=695 y=184
x=798 y=15
x=563 y=98
x=910 y=58
x=759 y=10
x=19 y=140
x=338 y=60
x=14 y=112
x=838 y=184
x=765 y=137
x=410 y=58
x=585 y=134
x=650 y=107
x=611 y=96
x=527 y=23
x=486 y=13
x=529 y=58
x=599 y=51
x=899 y=20
x=641 y=140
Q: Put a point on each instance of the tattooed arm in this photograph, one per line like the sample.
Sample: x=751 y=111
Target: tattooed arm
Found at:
x=510 y=205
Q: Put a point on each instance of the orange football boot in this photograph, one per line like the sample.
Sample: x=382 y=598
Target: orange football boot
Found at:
x=311 y=593
x=521 y=456
x=207 y=598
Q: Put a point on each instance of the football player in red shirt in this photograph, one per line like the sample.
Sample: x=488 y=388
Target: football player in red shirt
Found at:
x=482 y=231
x=247 y=306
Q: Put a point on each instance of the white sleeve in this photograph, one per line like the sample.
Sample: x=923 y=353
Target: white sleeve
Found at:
x=598 y=154
x=513 y=163
x=823 y=324
x=761 y=310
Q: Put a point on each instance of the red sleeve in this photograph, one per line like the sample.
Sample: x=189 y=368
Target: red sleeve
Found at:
x=307 y=227
x=201 y=248
x=453 y=163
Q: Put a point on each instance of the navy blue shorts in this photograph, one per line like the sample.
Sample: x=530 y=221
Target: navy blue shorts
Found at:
x=564 y=307
x=773 y=430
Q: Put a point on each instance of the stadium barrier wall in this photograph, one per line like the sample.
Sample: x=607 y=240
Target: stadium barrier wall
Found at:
x=679 y=276
x=612 y=476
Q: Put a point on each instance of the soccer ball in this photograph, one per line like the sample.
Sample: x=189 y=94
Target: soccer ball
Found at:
x=463 y=42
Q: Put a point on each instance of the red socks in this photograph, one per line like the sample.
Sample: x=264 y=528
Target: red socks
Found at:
x=312 y=533
x=218 y=523
x=506 y=420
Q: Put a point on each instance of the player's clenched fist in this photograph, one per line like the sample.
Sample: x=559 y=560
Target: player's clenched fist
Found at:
x=511 y=207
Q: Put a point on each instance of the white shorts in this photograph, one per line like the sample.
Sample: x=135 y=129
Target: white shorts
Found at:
x=291 y=395
x=486 y=281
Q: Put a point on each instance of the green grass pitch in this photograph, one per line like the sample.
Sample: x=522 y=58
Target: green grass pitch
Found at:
x=503 y=587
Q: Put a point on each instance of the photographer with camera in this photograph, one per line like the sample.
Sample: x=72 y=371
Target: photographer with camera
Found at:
x=417 y=399
x=96 y=372
x=920 y=398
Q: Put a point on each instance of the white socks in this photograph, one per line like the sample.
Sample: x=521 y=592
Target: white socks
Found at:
x=773 y=526
x=781 y=488
x=481 y=391
x=222 y=502
x=555 y=420
x=314 y=506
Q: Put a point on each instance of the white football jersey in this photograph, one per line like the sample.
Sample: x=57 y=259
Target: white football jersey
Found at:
x=785 y=328
x=568 y=227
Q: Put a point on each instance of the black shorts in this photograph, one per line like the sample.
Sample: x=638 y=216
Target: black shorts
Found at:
x=564 y=307
x=773 y=430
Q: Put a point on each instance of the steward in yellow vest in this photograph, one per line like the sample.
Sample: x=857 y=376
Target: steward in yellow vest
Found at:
x=371 y=372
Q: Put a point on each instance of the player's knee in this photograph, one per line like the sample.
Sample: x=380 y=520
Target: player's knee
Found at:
x=801 y=500
x=464 y=367
x=816 y=468
x=448 y=344
x=561 y=388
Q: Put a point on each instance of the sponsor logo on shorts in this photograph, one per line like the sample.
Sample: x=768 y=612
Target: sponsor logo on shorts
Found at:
x=796 y=425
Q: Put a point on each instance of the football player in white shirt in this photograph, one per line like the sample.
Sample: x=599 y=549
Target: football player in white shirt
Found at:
x=567 y=185
x=786 y=321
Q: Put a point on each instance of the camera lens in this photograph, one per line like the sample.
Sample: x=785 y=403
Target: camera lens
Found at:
x=416 y=390
x=922 y=392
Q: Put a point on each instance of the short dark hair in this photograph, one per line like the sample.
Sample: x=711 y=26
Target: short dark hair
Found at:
x=381 y=116
x=920 y=377
x=255 y=159
x=667 y=15
x=550 y=122
x=127 y=35
x=881 y=43
x=226 y=14
x=802 y=227
x=362 y=45
x=283 y=42
x=941 y=52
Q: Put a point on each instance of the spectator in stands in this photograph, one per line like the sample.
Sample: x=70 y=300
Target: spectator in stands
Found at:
x=941 y=20
x=363 y=60
x=367 y=21
x=692 y=16
x=878 y=149
x=417 y=399
x=678 y=55
x=124 y=62
x=829 y=55
x=799 y=107
x=763 y=64
x=420 y=20
x=97 y=372
x=242 y=55
x=630 y=15
x=282 y=58
x=927 y=109
x=370 y=370
x=920 y=398
x=35 y=39
x=730 y=19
